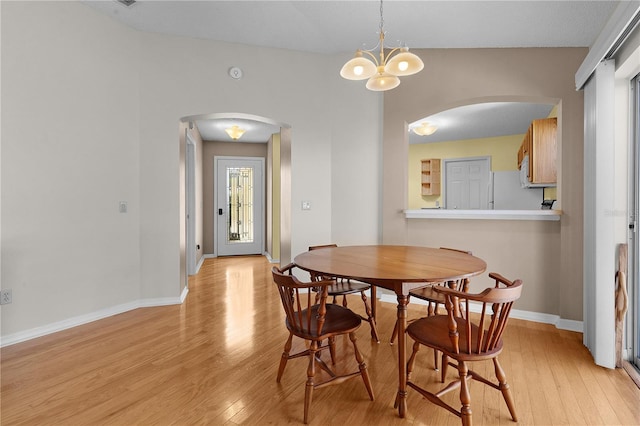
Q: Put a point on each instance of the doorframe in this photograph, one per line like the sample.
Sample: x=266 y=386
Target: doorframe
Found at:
x=632 y=325
x=446 y=161
x=263 y=216
x=190 y=203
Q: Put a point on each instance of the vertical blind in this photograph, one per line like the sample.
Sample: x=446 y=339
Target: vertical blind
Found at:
x=599 y=242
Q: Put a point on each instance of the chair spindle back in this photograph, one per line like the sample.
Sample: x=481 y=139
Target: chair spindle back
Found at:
x=496 y=306
x=303 y=314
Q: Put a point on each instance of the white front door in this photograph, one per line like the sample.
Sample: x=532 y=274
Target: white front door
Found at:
x=467 y=183
x=240 y=205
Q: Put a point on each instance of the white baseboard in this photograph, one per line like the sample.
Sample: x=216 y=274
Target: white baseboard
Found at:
x=23 y=336
x=560 y=323
x=183 y=295
x=11 y=339
x=265 y=254
x=200 y=262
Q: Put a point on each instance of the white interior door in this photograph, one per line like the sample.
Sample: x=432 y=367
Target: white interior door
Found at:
x=239 y=205
x=467 y=183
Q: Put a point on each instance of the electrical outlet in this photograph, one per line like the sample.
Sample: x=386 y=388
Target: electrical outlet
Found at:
x=5 y=297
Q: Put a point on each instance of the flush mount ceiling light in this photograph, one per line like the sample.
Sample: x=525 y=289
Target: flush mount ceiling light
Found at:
x=235 y=132
x=425 y=129
x=382 y=72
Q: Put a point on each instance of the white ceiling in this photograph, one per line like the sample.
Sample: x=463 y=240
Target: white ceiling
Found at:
x=213 y=129
x=336 y=27
x=482 y=121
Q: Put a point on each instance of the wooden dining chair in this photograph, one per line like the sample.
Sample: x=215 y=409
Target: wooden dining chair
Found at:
x=435 y=300
x=344 y=286
x=464 y=340
x=316 y=322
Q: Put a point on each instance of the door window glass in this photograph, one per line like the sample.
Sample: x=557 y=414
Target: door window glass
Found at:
x=240 y=204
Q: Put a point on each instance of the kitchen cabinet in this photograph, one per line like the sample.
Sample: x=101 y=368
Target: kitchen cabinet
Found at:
x=430 y=176
x=540 y=146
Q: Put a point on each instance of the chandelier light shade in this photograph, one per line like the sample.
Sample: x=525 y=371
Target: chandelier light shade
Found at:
x=425 y=129
x=358 y=68
x=382 y=71
x=235 y=132
x=382 y=81
x=404 y=63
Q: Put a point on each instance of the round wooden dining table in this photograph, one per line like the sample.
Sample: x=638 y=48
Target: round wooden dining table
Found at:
x=397 y=268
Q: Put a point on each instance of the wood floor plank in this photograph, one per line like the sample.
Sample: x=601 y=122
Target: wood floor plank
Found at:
x=213 y=361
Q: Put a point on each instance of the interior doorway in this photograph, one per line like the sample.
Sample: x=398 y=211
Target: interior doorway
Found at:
x=278 y=206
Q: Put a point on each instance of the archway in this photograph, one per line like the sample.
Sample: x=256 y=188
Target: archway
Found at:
x=278 y=174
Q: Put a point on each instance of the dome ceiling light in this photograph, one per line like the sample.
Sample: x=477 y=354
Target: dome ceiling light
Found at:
x=235 y=132
x=425 y=129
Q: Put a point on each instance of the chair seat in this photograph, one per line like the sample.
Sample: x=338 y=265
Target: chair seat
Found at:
x=428 y=294
x=343 y=287
x=338 y=320
x=434 y=332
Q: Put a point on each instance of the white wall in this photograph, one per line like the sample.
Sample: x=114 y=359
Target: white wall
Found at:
x=356 y=162
x=70 y=154
x=92 y=109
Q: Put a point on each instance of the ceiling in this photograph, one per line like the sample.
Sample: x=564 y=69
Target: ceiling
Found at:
x=341 y=27
x=256 y=131
x=482 y=121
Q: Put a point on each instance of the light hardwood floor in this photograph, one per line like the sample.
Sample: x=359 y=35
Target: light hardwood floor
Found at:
x=213 y=360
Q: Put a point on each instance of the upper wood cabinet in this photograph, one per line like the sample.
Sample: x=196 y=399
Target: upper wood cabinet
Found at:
x=431 y=176
x=540 y=144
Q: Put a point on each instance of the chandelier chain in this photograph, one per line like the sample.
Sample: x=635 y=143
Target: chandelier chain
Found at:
x=381 y=19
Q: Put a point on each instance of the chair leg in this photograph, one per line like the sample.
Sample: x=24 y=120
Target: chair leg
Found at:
x=284 y=358
x=430 y=310
x=371 y=318
x=504 y=388
x=344 y=300
x=465 y=396
x=332 y=349
x=444 y=366
x=412 y=359
x=361 y=364
x=311 y=372
x=394 y=334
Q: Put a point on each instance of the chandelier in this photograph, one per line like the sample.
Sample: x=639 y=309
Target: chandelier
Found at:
x=234 y=132
x=382 y=71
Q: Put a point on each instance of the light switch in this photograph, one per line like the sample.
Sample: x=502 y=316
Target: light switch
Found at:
x=122 y=207
x=306 y=205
